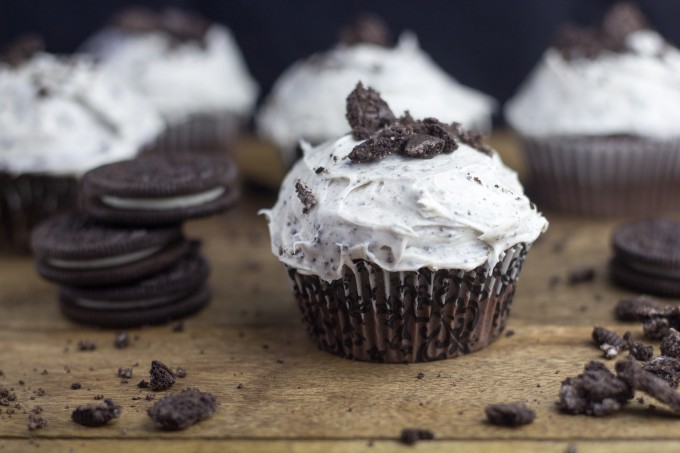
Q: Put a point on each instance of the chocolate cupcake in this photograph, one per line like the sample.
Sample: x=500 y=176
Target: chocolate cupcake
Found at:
x=403 y=241
x=598 y=119
x=59 y=117
x=404 y=74
x=190 y=69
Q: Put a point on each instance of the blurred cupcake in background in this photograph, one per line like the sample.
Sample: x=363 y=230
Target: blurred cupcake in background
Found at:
x=191 y=70
x=407 y=78
x=599 y=116
x=59 y=117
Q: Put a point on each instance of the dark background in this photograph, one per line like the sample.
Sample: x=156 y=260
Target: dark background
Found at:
x=487 y=44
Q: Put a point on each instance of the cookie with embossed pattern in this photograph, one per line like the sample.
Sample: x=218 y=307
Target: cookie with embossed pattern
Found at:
x=160 y=189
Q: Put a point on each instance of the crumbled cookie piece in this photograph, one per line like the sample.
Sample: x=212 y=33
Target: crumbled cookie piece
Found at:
x=84 y=345
x=76 y=386
x=410 y=436
x=636 y=308
x=423 y=146
x=670 y=344
x=656 y=328
x=367 y=112
x=391 y=140
x=181 y=373
x=161 y=377
x=608 y=341
x=125 y=373
x=94 y=415
x=667 y=368
x=595 y=392
x=305 y=195
x=637 y=349
x=122 y=340
x=583 y=275
x=7 y=396
x=622 y=20
x=35 y=422
x=509 y=414
x=649 y=383
x=176 y=412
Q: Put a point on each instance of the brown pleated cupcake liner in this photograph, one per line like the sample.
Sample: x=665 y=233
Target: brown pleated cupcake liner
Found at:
x=371 y=314
x=208 y=132
x=26 y=200
x=604 y=176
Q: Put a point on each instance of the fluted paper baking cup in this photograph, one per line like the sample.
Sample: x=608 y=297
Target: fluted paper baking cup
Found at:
x=26 y=200
x=605 y=176
x=199 y=132
x=375 y=315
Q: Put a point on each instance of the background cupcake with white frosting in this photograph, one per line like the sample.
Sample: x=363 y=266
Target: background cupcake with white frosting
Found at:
x=191 y=70
x=599 y=119
x=59 y=117
x=404 y=240
x=405 y=75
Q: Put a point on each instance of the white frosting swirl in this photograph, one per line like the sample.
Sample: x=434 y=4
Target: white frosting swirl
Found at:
x=455 y=211
x=180 y=79
x=64 y=116
x=636 y=92
x=308 y=100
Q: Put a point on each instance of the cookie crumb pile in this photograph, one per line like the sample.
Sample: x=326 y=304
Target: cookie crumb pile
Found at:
x=124 y=261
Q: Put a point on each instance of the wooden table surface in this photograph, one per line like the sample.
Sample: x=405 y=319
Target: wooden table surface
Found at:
x=278 y=392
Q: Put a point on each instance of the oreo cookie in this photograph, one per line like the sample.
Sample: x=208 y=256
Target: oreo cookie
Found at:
x=74 y=249
x=160 y=190
x=647 y=256
x=176 y=292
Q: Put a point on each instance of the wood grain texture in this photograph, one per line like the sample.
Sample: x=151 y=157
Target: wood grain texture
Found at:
x=295 y=398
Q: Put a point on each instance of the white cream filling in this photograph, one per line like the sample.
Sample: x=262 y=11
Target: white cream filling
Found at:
x=123 y=305
x=161 y=204
x=100 y=263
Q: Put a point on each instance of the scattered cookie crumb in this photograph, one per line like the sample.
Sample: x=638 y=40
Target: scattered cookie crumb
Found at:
x=178 y=327
x=94 y=415
x=122 y=340
x=76 y=386
x=420 y=375
x=179 y=411
x=181 y=373
x=509 y=414
x=670 y=344
x=35 y=422
x=667 y=368
x=86 y=345
x=410 y=436
x=582 y=275
x=125 y=373
x=143 y=384
x=161 y=377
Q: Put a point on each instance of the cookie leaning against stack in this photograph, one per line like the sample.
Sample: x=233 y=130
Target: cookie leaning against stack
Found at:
x=647 y=256
x=124 y=261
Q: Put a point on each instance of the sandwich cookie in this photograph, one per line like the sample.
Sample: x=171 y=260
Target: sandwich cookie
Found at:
x=176 y=292
x=647 y=256
x=73 y=249
x=159 y=190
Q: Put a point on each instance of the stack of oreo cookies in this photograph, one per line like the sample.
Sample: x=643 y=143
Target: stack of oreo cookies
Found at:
x=647 y=256
x=124 y=260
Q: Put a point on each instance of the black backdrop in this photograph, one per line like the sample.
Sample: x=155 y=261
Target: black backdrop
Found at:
x=488 y=44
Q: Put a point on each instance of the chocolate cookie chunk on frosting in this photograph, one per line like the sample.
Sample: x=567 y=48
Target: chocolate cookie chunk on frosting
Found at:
x=370 y=117
x=455 y=210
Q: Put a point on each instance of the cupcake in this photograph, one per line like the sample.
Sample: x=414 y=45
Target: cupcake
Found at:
x=598 y=119
x=403 y=240
x=191 y=70
x=405 y=75
x=59 y=117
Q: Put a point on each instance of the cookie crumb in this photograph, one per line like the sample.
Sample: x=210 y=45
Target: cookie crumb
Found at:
x=367 y=112
x=670 y=344
x=161 y=377
x=420 y=375
x=35 y=422
x=143 y=384
x=509 y=414
x=94 y=415
x=84 y=345
x=597 y=391
x=179 y=411
x=76 y=386
x=178 y=327
x=125 y=373
x=181 y=373
x=667 y=368
x=122 y=340
x=305 y=195
x=410 y=436
x=583 y=275
x=649 y=383
x=635 y=308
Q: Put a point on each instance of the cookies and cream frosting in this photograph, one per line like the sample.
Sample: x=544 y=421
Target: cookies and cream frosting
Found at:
x=180 y=77
x=407 y=78
x=621 y=79
x=64 y=116
x=456 y=210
